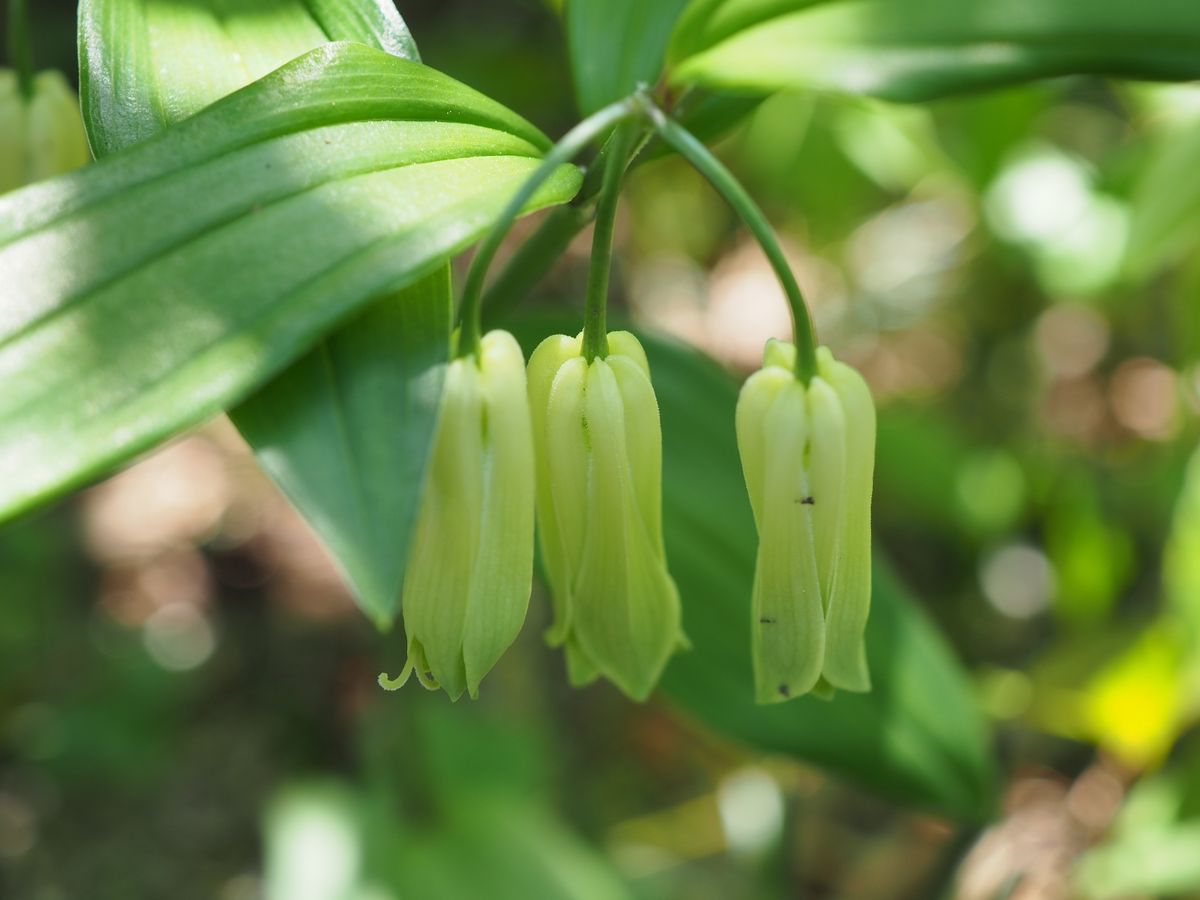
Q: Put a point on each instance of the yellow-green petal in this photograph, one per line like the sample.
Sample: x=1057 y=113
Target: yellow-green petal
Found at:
x=13 y=138
x=544 y=366
x=437 y=583
x=789 y=627
x=567 y=446
x=624 y=343
x=503 y=573
x=626 y=612
x=826 y=481
x=779 y=354
x=756 y=398
x=643 y=431
x=56 y=138
x=846 y=661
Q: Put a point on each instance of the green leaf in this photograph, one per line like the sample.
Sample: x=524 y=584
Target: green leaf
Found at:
x=1165 y=224
x=159 y=286
x=923 y=49
x=146 y=64
x=346 y=432
x=616 y=44
x=917 y=737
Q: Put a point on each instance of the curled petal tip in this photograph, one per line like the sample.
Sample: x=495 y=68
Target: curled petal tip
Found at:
x=470 y=570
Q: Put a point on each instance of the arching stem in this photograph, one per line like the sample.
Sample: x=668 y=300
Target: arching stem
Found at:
x=564 y=151
x=684 y=143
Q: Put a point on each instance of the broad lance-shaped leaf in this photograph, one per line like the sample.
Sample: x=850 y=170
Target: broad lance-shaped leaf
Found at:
x=346 y=429
x=161 y=285
x=917 y=736
x=617 y=44
x=146 y=64
x=922 y=49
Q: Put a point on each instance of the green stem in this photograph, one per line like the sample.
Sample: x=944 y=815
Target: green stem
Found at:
x=735 y=195
x=595 y=334
x=20 y=46
x=564 y=151
x=551 y=239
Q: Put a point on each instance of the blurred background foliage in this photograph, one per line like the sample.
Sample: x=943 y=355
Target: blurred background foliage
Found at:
x=187 y=693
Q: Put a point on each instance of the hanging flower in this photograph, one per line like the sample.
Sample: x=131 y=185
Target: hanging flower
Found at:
x=40 y=135
x=808 y=455
x=599 y=452
x=466 y=589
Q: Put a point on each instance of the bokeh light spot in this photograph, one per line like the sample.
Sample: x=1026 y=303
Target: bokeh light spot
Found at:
x=1018 y=580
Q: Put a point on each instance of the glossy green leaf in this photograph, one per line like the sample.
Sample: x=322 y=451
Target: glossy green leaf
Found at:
x=922 y=49
x=917 y=737
x=346 y=433
x=338 y=430
x=162 y=284
x=617 y=44
x=146 y=64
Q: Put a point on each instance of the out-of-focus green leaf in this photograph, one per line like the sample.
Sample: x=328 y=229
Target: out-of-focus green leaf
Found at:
x=482 y=774
x=1181 y=570
x=517 y=851
x=347 y=441
x=923 y=49
x=1163 y=862
x=146 y=64
x=1092 y=557
x=1165 y=220
x=325 y=841
x=615 y=44
x=342 y=430
x=917 y=736
x=161 y=285
x=486 y=773
x=1154 y=846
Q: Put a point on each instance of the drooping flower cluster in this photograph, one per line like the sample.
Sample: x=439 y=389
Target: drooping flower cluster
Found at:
x=584 y=438
x=594 y=431
x=808 y=455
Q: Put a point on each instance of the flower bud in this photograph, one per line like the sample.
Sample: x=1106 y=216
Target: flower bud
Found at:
x=41 y=135
x=808 y=455
x=599 y=501
x=466 y=589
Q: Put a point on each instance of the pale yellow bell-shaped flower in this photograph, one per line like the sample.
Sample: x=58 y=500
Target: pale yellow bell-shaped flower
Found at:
x=599 y=450
x=470 y=571
x=42 y=135
x=808 y=455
